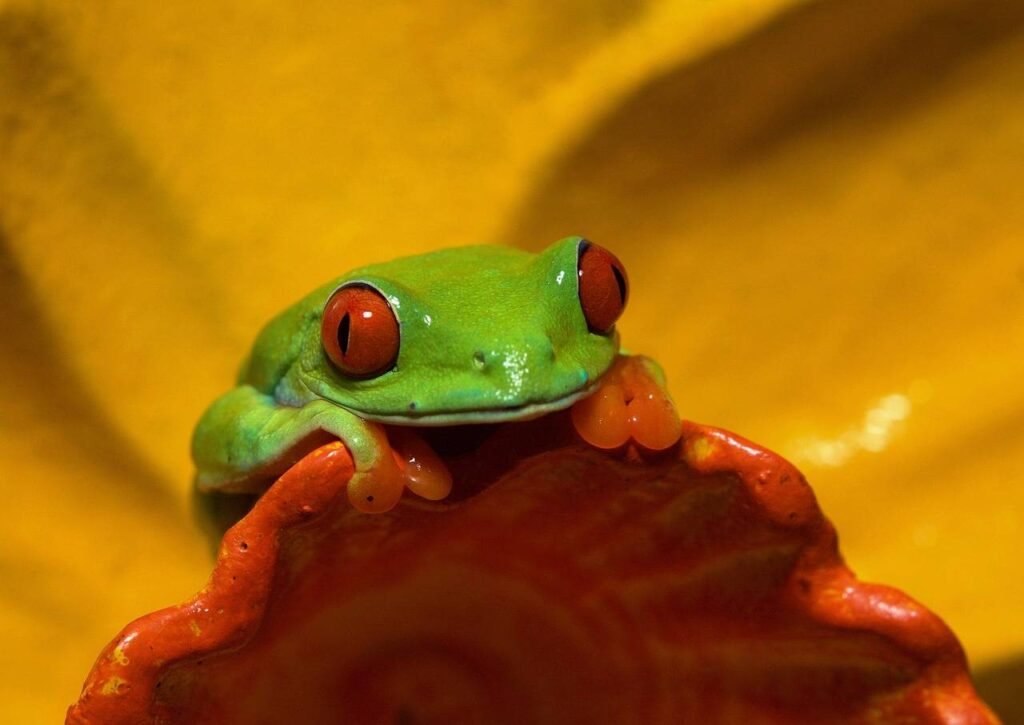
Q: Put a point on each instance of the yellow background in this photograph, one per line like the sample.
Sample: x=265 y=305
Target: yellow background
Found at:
x=821 y=207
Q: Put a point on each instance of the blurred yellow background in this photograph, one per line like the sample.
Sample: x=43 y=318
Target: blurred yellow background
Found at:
x=820 y=205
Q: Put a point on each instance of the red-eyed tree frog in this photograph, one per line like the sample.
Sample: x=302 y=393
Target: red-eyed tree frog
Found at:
x=458 y=336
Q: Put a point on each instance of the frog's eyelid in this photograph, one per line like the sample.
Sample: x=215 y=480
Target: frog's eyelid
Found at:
x=394 y=302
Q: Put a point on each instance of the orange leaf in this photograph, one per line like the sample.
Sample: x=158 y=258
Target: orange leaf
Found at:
x=556 y=584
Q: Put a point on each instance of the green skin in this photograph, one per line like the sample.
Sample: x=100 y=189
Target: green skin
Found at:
x=488 y=334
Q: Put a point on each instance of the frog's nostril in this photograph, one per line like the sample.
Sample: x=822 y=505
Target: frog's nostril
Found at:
x=541 y=348
x=479 y=359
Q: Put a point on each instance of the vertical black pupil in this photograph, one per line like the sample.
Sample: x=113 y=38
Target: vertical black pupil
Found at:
x=343 y=330
x=621 y=282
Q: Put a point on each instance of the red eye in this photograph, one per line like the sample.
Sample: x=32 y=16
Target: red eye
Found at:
x=604 y=287
x=360 y=331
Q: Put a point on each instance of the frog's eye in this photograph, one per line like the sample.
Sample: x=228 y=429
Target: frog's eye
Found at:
x=604 y=287
x=360 y=331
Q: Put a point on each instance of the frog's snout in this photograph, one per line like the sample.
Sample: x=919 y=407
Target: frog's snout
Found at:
x=537 y=353
x=516 y=369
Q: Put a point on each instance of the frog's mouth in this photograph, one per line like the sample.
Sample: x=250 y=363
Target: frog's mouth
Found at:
x=431 y=453
x=478 y=416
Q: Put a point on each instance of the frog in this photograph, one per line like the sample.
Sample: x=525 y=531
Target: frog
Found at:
x=458 y=336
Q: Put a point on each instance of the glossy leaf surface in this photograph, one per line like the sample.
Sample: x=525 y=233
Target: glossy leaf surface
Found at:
x=560 y=585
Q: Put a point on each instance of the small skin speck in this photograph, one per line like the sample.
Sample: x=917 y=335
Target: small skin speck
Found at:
x=119 y=656
x=699 y=450
x=111 y=686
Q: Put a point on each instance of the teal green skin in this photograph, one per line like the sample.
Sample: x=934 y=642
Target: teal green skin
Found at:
x=488 y=334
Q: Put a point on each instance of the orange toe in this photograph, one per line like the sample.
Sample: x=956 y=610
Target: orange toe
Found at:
x=630 y=402
x=653 y=421
x=376 y=491
x=425 y=473
x=601 y=419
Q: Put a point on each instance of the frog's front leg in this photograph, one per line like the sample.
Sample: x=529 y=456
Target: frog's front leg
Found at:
x=246 y=439
x=631 y=402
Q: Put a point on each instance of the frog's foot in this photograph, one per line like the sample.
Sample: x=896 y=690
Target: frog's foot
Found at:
x=629 y=403
x=406 y=461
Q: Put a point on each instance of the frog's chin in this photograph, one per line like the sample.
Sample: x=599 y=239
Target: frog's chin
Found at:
x=517 y=413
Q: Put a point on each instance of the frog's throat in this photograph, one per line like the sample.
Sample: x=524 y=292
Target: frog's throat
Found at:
x=471 y=417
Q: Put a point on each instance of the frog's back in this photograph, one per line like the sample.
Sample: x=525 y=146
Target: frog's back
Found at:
x=452 y=263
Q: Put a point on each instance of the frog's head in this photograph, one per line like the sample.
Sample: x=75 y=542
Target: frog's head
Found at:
x=470 y=335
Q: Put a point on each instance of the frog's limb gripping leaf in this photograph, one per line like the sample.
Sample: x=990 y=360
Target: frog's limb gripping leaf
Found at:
x=630 y=403
x=406 y=462
x=423 y=471
x=238 y=443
